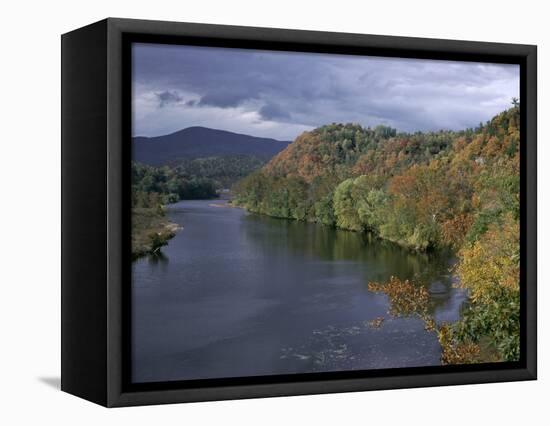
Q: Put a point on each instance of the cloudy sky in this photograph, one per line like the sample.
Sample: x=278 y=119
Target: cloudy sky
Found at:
x=281 y=94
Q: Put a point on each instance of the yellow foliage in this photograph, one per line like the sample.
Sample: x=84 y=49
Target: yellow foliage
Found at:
x=491 y=264
x=453 y=352
x=405 y=298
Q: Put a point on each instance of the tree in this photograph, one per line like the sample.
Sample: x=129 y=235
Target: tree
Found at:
x=489 y=269
x=324 y=211
x=345 y=207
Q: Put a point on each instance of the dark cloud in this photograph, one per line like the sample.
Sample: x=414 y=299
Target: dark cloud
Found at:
x=273 y=111
x=224 y=98
x=280 y=94
x=167 y=98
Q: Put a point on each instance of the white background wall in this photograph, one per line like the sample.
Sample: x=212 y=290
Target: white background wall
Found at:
x=30 y=200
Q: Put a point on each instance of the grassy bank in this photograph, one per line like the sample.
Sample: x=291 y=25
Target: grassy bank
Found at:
x=150 y=231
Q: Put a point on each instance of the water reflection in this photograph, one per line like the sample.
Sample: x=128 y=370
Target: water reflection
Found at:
x=385 y=259
x=157 y=257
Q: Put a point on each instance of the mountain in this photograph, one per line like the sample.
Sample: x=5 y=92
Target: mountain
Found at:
x=197 y=142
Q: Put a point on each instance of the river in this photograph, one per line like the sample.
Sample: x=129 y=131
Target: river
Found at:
x=238 y=294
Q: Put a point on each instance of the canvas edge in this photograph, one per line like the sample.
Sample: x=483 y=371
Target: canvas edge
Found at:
x=114 y=157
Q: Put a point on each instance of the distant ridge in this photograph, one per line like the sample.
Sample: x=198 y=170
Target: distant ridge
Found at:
x=196 y=142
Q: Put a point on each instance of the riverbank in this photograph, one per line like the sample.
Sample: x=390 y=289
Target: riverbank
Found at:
x=150 y=231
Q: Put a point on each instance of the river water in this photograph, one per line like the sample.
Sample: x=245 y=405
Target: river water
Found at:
x=238 y=294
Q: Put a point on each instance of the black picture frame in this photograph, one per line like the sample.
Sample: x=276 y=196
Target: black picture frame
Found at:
x=96 y=115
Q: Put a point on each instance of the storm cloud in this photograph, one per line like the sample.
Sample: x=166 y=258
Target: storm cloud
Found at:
x=167 y=98
x=281 y=94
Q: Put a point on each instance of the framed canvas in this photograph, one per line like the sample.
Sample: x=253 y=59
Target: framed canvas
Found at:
x=254 y=212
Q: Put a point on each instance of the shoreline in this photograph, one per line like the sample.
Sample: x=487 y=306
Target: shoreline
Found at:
x=150 y=232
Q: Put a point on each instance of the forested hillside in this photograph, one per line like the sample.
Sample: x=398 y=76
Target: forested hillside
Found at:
x=423 y=191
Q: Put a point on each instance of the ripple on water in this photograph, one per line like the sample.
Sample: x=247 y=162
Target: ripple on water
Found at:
x=369 y=344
